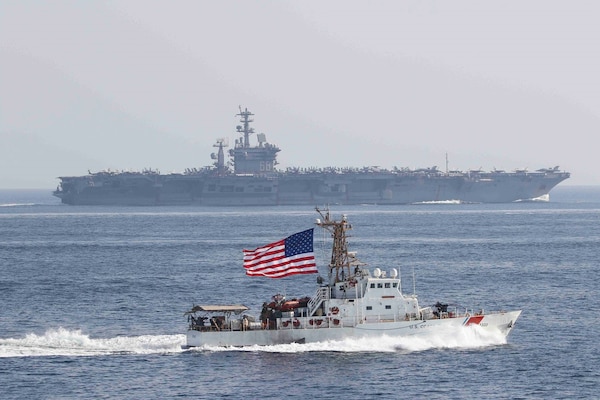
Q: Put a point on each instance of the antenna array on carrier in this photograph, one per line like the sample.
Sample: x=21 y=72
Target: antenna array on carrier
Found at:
x=220 y=157
x=245 y=129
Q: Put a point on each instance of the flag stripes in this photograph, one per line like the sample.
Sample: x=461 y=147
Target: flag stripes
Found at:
x=290 y=256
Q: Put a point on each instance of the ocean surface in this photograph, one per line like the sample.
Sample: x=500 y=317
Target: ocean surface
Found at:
x=93 y=299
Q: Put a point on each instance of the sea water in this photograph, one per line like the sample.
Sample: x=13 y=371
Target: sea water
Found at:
x=93 y=300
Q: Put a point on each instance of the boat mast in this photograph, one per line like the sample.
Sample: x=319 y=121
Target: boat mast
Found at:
x=245 y=129
x=339 y=266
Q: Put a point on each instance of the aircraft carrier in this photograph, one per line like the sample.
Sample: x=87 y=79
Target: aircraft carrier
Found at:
x=250 y=178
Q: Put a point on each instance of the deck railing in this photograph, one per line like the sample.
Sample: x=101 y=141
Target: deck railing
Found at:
x=321 y=294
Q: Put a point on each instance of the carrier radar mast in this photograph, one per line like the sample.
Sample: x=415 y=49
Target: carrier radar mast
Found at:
x=245 y=129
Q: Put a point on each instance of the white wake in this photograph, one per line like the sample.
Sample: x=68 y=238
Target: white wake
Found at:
x=63 y=342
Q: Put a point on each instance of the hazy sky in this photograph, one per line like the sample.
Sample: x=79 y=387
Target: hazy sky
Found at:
x=91 y=85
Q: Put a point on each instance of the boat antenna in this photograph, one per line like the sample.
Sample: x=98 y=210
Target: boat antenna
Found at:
x=414 y=281
x=400 y=277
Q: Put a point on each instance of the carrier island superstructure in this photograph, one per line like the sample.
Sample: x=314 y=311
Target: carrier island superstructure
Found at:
x=250 y=178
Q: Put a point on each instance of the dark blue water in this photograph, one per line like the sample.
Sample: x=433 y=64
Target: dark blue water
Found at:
x=92 y=300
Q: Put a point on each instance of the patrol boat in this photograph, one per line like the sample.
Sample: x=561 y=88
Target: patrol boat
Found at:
x=354 y=302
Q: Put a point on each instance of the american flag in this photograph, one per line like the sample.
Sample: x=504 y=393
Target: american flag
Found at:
x=290 y=256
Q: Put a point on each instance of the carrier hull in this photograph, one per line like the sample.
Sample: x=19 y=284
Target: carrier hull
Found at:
x=255 y=181
x=381 y=188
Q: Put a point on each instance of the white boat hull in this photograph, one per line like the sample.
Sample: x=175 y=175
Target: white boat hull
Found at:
x=304 y=332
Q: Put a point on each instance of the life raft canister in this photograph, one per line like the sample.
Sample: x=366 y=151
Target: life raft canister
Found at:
x=290 y=305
